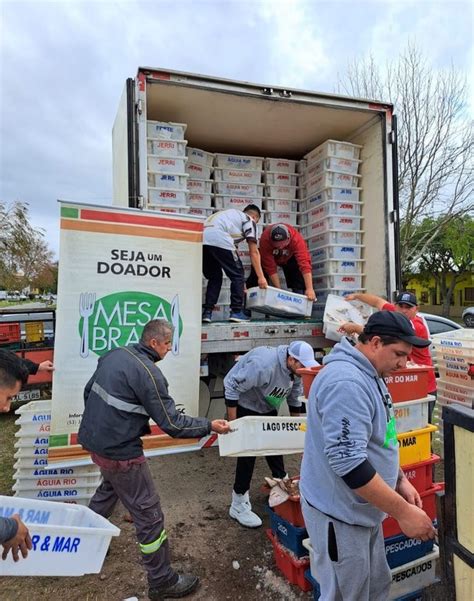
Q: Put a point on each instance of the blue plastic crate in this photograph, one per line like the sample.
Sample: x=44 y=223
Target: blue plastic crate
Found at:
x=288 y=535
x=400 y=549
x=415 y=596
x=314 y=583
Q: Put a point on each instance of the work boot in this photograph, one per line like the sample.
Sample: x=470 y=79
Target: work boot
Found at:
x=207 y=315
x=185 y=585
x=241 y=510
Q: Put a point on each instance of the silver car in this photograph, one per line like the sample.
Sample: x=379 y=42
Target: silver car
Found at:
x=468 y=317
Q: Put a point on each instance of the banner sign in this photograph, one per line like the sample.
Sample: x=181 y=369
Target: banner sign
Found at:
x=118 y=269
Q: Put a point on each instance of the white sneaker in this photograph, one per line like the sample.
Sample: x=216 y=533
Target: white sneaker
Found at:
x=241 y=510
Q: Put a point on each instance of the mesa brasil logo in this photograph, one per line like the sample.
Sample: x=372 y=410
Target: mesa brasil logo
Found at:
x=118 y=319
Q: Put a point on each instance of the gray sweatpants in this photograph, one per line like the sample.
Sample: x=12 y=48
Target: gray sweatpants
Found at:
x=350 y=560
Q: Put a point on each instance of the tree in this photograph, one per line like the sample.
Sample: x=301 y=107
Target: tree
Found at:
x=449 y=256
x=435 y=141
x=24 y=252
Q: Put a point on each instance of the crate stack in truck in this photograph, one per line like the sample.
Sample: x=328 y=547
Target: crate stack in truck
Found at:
x=309 y=156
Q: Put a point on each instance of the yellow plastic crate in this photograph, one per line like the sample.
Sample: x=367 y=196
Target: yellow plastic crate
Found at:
x=415 y=446
x=34 y=331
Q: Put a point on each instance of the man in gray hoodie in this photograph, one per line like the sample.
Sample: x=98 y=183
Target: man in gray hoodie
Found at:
x=350 y=476
x=258 y=384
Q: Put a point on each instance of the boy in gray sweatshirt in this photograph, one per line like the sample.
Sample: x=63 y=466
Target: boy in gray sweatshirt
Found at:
x=350 y=476
x=258 y=384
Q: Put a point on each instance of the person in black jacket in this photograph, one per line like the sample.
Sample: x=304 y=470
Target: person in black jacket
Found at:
x=14 y=535
x=126 y=390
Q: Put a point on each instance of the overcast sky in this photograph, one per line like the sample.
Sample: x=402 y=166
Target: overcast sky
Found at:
x=64 y=64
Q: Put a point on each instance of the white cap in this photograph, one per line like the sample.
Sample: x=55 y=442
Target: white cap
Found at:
x=302 y=352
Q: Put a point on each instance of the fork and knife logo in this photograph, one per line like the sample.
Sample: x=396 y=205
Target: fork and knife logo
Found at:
x=86 y=309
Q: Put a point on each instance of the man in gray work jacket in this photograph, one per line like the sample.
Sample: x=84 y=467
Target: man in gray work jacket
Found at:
x=350 y=476
x=126 y=390
x=258 y=384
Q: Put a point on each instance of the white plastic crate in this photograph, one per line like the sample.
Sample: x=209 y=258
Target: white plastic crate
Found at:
x=338 y=280
x=334 y=148
x=166 y=196
x=170 y=181
x=198 y=171
x=280 y=165
x=280 y=217
x=167 y=164
x=31 y=490
x=255 y=435
x=244 y=256
x=80 y=471
x=412 y=415
x=238 y=161
x=173 y=209
x=301 y=166
x=352 y=209
x=280 y=179
x=332 y=222
x=201 y=211
x=323 y=293
x=461 y=356
x=334 y=237
x=280 y=204
x=224 y=297
x=31 y=428
x=167 y=148
x=68 y=540
x=221 y=313
x=330 y=194
x=462 y=339
x=453 y=362
x=327 y=179
x=287 y=192
x=456 y=393
x=200 y=200
x=341 y=267
x=336 y=252
x=199 y=186
x=222 y=201
x=415 y=575
x=332 y=164
x=38 y=408
x=163 y=130
x=237 y=176
x=275 y=301
x=454 y=376
x=201 y=157
x=235 y=189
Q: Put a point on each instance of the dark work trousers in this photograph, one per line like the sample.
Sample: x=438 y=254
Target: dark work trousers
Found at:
x=133 y=485
x=214 y=261
x=293 y=276
x=245 y=465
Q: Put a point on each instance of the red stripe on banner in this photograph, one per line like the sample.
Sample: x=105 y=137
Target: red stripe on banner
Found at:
x=91 y=215
x=156 y=430
x=73 y=439
x=212 y=439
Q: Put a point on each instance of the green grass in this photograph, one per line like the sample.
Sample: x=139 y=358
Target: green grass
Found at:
x=7 y=450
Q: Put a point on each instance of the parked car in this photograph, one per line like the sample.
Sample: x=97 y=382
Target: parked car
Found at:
x=438 y=324
x=468 y=317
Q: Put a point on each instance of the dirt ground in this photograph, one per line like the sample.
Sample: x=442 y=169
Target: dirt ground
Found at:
x=195 y=490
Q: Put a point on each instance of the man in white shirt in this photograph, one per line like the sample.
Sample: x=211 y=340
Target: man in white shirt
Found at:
x=223 y=231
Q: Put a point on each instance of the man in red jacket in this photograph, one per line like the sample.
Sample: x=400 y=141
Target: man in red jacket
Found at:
x=281 y=245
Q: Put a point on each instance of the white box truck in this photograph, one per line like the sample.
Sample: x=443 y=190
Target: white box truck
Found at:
x=226 y=116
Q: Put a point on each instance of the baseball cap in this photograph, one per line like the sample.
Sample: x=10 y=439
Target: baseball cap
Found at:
x=302 y=352
x=406 y=298
x=279 y=233
x=391 y=323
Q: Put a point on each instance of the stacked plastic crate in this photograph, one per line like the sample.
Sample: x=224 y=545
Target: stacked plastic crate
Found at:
x=412 y=561
x=167 y=177
x=281 y=188
x=331 y=218
x=199 y=168
x=34 y=477
x=454 y=357
x=287 y=532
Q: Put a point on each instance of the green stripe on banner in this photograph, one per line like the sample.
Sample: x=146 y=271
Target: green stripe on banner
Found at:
x=59 y=440
x=70 y=212
x=155 y=545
